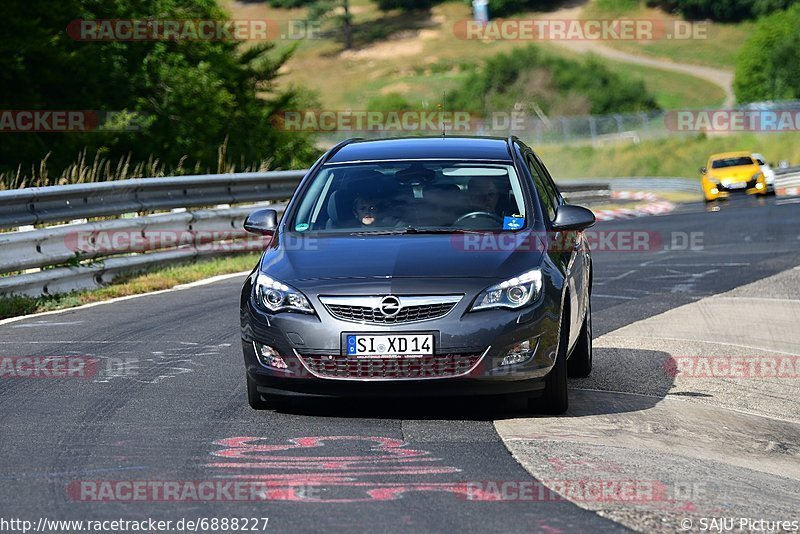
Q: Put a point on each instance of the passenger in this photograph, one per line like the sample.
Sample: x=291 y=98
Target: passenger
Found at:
x=366 y=209
x=484 y=195
x=371 y=211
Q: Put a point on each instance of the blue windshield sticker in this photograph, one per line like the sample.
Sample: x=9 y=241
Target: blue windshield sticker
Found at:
x=513 y=223
x=302 y=227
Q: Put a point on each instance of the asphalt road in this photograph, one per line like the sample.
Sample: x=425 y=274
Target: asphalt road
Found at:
x=168 y=399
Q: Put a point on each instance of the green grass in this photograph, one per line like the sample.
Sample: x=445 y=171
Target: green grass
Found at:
x=129 y=284
x=616 y=6
x=673 y=156
x=672 y=90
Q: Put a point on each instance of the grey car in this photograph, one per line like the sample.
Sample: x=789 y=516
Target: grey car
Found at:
x=421 y=267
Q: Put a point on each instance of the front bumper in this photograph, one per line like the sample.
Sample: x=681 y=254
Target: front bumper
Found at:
x=714 y=191
x=469 y=350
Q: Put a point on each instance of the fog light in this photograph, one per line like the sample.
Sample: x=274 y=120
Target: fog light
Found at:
x=759 y=186
x=520 y=353
x=269 y=357
x=714 y=190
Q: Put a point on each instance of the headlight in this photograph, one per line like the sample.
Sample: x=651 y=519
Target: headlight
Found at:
x=755 y=176
x=713 y=180
x=275 y=296
x=513 y=293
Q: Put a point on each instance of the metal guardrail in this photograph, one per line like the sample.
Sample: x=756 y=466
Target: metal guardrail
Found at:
x=787 y=181
x=119 y=245
x=36 y=205
x=87 y=254
x=639 y=183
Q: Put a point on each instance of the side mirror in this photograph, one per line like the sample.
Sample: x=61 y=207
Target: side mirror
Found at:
x=262 y=222
x=569 y=217
x=703 y=170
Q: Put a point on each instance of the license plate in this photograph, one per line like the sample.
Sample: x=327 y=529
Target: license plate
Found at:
x=393 y=345
x=737 y=185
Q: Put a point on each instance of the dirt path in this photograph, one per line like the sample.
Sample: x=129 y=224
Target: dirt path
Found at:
x=721 y=78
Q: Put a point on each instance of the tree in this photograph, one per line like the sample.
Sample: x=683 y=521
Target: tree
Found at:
x=767 y=66
x=337 y=11
x=183 y=98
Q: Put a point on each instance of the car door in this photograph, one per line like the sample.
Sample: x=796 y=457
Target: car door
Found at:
x=560 y=245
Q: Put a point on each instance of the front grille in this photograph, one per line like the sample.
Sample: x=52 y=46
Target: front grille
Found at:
x=750 y=184
x=390 y=367
x=407 y=314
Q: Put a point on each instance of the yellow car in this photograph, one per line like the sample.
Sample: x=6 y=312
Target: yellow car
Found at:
x=732 y=171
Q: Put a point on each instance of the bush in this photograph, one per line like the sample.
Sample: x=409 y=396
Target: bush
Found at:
x=389 y=102
x=287 y=4
x=530 y=78
x=505 y=8
x=767 y=66
x=406 y=5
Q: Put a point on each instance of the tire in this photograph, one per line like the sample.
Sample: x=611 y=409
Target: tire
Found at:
x=254 y=398
x=579 y=364
x=555 y=399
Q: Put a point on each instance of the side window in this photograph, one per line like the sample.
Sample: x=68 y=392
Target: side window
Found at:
x=551 y=186
x=558 y=200
x=545 y=196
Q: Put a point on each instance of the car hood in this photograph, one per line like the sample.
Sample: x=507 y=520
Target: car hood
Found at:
x=487 y=256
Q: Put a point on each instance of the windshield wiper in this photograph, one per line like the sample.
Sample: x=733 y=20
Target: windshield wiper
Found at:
x=413 y=230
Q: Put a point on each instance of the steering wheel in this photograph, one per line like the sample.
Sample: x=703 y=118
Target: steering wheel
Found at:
x=478 y=215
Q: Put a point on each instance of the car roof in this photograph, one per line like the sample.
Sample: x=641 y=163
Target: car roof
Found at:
x=439 y=147
x=723 y=155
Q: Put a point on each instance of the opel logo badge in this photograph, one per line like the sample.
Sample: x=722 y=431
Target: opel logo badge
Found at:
x=389 y=306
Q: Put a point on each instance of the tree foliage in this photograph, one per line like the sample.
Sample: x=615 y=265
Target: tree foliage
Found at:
x=767 y=67
x=722 y=10
x=184 y=98
x=505 y=8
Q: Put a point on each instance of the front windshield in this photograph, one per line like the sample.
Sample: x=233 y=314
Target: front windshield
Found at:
x=421 y=196
x=731 y=162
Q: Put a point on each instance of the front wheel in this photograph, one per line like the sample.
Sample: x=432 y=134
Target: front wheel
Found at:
x=579 y=364
x=555 y=399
